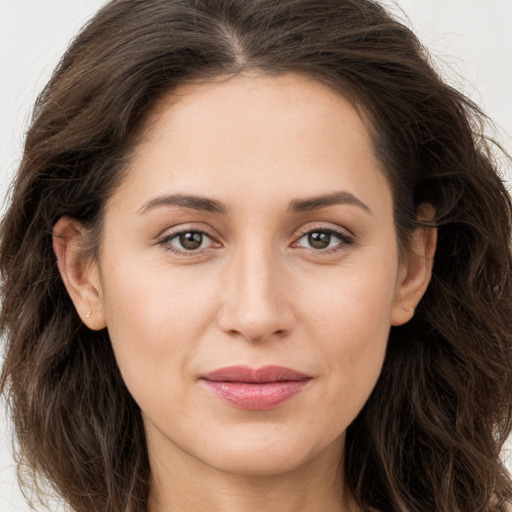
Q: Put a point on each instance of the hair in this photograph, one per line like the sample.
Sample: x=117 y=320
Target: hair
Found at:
x=430 y=435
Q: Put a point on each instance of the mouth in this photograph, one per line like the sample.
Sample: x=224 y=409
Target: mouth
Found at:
x=255 y=389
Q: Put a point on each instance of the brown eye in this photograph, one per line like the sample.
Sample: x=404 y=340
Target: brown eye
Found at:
x=191 y=240
x=187 y=241
x=324 y=239
x=319 y=239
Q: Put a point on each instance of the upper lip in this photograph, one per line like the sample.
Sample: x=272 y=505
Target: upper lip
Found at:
x=264 y=374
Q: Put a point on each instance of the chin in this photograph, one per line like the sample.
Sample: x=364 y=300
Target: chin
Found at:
x=258 y=463
x=267 y=453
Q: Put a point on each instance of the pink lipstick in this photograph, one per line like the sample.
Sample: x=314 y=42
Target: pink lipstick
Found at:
x=255 y=389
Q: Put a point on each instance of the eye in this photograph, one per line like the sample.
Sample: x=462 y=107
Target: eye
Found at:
x=187 y=241
x=323 y=239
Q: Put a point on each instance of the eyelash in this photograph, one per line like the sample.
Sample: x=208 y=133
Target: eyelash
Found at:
x=344 y=241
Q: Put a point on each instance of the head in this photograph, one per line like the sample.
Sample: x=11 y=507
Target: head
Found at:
x=141 y=82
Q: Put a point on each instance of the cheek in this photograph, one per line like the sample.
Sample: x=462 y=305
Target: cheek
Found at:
x=155 y=321
x=351 y=326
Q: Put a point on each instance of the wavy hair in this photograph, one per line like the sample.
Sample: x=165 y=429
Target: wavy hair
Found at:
x=429 y=437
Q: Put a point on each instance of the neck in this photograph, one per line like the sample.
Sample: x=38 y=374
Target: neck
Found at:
x=182 y=483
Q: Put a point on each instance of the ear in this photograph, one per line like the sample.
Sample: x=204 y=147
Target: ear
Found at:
x=416 y=271
x=79 y=272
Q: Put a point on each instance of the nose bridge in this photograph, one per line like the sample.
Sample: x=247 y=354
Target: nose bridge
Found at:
x=253 y=304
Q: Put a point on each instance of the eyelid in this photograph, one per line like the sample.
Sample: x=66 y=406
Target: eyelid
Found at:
x=325 y=226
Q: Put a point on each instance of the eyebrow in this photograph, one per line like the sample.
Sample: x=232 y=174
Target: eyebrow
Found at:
x=187 y=201
x=213 y=206
x=317 y=202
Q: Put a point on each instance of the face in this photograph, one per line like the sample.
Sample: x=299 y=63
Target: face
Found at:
x=248 y=273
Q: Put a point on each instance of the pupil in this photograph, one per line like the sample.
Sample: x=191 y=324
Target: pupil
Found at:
x=319 y=240
x=191 y=240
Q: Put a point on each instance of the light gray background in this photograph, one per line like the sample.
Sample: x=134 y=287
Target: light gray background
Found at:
x=471 y=40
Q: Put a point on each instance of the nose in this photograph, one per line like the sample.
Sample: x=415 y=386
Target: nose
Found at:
x=255 y=304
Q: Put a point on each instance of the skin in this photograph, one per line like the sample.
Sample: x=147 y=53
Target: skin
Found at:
x=256 y=292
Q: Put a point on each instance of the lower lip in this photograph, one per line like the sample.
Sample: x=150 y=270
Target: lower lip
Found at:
x=256 y=396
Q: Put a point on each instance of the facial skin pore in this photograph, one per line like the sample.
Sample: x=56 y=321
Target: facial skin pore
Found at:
x=291 y=259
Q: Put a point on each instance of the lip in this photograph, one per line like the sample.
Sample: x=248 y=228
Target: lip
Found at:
x=255 y=389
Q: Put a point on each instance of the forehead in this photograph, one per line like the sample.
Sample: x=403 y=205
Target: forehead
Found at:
x=264 y=133
x=247 y=101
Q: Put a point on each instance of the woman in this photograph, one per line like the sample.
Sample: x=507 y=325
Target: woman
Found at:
x=257 y=258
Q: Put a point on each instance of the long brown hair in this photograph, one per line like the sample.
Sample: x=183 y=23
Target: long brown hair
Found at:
x=429 y=437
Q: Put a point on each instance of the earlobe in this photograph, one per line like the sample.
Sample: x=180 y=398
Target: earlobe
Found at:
x=415 y=273
x=79 y=272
